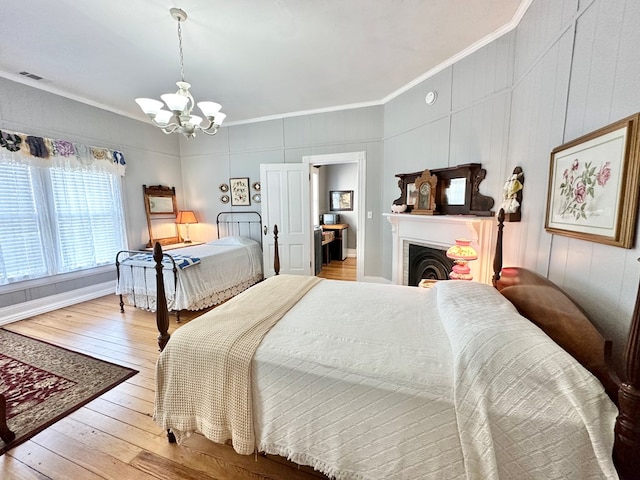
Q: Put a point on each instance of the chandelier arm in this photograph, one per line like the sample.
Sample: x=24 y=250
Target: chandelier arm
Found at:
x=167 y=125
x=208 y=127
x=208 y=131
x=169 y=128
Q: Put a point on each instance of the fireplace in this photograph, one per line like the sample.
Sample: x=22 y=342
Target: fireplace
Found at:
x=439 y=232
x=427 y=262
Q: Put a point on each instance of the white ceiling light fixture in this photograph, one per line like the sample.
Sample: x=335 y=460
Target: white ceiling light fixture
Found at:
x=178 y=118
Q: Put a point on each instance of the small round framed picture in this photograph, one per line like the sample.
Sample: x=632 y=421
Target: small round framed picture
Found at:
x=224 y=198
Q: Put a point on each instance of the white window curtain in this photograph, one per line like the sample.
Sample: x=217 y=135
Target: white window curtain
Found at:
x=58 y=215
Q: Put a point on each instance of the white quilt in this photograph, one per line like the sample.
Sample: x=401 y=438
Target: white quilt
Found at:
x=227 y=267
x=365 y=381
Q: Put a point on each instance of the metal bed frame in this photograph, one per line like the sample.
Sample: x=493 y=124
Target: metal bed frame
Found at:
x=228 y=223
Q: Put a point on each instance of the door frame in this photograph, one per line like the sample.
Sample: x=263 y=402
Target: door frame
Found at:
x=360 y=158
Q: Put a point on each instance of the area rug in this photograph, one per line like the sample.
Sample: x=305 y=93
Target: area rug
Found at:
x=42 y=383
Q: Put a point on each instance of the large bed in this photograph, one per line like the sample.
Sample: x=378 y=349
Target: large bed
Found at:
x=197 y=276
x=367 y=381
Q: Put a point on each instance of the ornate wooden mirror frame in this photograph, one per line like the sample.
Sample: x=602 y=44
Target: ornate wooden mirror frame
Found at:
x=161 y=209
x=457 y=190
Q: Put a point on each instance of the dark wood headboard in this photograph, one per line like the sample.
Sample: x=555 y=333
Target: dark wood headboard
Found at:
x=547 y=306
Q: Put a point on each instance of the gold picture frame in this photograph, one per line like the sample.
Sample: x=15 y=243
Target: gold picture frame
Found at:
x=593 y=185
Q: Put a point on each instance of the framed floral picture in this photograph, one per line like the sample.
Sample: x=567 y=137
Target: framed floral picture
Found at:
x=593 y=185
x=239 y=188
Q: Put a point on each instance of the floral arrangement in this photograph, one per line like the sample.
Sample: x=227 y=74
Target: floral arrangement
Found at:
x=578 y=184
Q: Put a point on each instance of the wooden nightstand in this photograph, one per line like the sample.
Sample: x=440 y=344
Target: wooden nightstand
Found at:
x=173 y=246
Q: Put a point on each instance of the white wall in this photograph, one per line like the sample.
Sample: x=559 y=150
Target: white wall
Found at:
x=152 y=158
x=239 y=150
x=569 y=68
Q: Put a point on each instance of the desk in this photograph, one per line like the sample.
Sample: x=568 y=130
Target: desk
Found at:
x=339 y=246
x=327 y=239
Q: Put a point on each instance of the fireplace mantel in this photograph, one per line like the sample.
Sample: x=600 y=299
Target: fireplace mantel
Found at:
x=441 y=231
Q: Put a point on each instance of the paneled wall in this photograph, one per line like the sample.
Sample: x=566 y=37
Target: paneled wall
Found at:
x=238 y=151
x=568 y=68
x=152 y=158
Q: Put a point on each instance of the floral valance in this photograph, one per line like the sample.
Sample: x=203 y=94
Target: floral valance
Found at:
x=61 y=153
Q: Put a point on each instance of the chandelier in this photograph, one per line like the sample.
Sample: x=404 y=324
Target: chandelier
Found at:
x=178 y=118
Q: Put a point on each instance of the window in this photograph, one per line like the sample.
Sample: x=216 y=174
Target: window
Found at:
x=56 y=218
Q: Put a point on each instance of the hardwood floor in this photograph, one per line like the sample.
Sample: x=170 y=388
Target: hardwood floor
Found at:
x=340 y=270
x=114 y=436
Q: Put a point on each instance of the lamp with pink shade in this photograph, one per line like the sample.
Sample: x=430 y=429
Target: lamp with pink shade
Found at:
x=461 y=253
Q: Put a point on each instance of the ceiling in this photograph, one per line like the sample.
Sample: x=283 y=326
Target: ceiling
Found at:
x=258 y=58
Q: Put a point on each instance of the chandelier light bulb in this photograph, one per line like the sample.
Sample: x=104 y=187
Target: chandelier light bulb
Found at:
x=163 y=117
x=209 y=109
x=181 y=103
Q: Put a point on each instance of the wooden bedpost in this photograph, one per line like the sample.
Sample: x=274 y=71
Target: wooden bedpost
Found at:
x=162 y=313
x=276 y=253
x=626 y=449
x=497 y=257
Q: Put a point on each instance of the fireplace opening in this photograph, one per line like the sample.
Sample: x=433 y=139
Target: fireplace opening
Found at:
x=427 y=262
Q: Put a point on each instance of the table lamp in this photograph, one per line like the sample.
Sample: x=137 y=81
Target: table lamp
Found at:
x=461 y=253
x=185 y=217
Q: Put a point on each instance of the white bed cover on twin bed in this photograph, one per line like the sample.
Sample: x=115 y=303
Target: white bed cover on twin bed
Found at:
x=227 y=267
x=365 y=381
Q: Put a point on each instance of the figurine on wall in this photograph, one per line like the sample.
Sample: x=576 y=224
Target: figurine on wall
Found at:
x=512 y=195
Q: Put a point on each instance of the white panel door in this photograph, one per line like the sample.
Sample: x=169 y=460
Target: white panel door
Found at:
x=286 y=202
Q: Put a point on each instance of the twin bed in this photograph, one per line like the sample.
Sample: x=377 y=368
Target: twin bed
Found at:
x=368 y=381
x=197 y=276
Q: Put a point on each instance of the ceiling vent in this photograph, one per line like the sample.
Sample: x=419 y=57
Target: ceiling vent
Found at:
x=31 y=75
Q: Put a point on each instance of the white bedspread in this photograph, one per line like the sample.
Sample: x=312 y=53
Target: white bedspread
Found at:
x=226 y=268
x=365 y=381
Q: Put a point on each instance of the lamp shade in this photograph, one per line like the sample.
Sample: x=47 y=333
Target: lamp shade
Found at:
x=186 y=216
x=462 y=253
x=462 y=250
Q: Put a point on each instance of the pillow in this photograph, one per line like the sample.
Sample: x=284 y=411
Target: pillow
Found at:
x=233 y=240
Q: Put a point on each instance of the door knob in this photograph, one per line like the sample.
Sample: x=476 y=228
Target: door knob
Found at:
x=266 y=229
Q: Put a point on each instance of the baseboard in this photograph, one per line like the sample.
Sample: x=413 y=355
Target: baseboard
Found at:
x=20 y=311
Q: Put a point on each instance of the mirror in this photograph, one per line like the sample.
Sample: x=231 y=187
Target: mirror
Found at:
x=454 y=192
x=158 y=205
x=458 y=191
x=161 y=209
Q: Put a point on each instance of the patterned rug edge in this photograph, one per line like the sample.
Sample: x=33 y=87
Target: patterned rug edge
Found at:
x=23 y=438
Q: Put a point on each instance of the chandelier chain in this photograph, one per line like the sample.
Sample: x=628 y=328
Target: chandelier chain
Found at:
x=181 y=54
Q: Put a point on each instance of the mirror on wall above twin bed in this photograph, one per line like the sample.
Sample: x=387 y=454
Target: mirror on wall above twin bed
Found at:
x=161 y=209
x=456 y=191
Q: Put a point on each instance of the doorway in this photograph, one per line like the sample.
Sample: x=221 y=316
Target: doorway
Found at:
x=359 y=159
